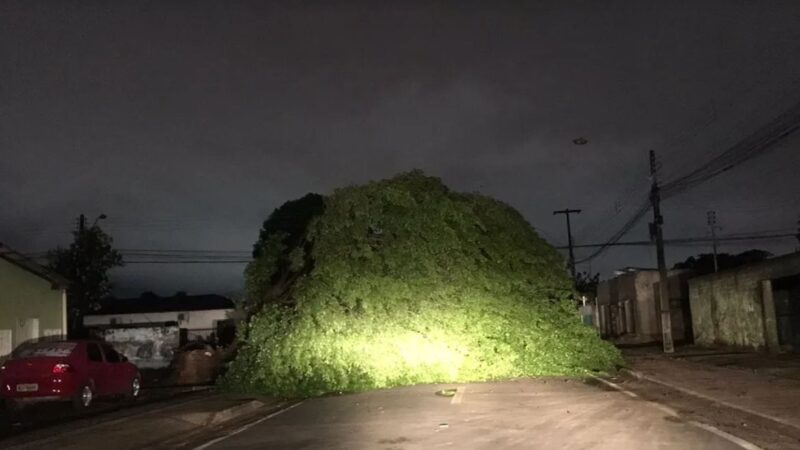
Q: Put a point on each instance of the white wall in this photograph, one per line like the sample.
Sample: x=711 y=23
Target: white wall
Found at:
x=29 y=307
x=192 y=320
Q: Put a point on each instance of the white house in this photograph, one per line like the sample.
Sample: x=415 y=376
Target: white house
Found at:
x=33 y=301
x=197 y=316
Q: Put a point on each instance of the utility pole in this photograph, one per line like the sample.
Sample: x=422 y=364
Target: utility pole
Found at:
x=567 y=212
x=712 y=223
x=81 y=224
x=798 y=233
x=657 y=233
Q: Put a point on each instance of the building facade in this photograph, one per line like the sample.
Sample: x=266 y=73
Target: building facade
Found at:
x=628 y=306
x=755 y=306
x=200 y=317
x=33 y=301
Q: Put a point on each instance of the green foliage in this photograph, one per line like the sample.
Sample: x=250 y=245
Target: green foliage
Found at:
x=86 y=264
x=279 y=254
x=704 y=263
x=586 y=283
x=403 y=282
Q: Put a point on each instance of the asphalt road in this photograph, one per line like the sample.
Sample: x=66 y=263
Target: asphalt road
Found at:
x=525 y=414
x=48 y=419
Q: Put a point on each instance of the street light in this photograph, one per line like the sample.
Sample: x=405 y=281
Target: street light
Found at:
x=580 y=141
x=82 y=222
x=99 y=218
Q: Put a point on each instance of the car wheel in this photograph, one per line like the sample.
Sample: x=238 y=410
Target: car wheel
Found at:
x=135 y=389
x=12 y=406
x=6 y=418
x=83 y=398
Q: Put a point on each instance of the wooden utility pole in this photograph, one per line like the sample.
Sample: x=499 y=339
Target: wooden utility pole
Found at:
x=567 y=212
x=663 y=283
x=712 y=223
x=798 y=233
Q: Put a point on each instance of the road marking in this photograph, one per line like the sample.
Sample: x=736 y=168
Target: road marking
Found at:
x=712 y=429
x=642 y=376
x=617 y=387
x=247 y=427
x=133 y=414
x=459 y=397
x=736 y=440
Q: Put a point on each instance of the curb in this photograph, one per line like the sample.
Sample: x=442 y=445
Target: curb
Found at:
x=638 y=375
x=280 y=410
x=233 y=412
x=127 y=413
x=747 y=445
x=215 y=421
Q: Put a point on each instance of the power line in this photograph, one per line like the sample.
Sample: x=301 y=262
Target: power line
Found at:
x=640 y=212
x=194 y=257
x=756 y=109
x=765 y=138
x=211 y=261
x=691 y=240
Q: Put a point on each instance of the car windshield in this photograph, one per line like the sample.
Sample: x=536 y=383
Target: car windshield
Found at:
x=45 y=349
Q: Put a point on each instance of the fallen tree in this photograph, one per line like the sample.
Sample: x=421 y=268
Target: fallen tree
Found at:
x=403 y=281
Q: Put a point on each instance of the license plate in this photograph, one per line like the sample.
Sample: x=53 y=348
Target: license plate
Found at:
x=33 y=387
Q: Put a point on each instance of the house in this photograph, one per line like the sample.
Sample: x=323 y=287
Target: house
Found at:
x=628 y=306
x=756 y=305
x=33 y=301
x=150 y=329
x=197 y=316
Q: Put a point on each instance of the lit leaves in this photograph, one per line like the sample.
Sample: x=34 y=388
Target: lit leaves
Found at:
x=412 y=283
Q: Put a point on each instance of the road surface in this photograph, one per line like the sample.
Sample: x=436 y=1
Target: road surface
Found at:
x=524 y=414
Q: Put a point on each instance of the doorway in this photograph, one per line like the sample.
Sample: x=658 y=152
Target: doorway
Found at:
x=786 y=293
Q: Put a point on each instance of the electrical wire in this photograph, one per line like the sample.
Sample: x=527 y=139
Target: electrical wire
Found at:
x=755 y=144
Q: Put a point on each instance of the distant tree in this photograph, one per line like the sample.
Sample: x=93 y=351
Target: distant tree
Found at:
x=586 y=283
x=704 y=263
x=86 y=264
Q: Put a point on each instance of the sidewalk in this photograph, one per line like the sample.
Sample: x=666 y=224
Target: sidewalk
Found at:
x=741 y=381
x=163 y=427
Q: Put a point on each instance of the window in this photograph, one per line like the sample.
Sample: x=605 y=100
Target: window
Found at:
x=111 y=355
x=93 y=353
x=46 y=349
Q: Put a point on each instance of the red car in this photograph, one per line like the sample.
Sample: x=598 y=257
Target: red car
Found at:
x=76 y=371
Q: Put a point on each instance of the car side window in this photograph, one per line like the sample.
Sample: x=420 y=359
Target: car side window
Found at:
x=93 y=353
x=111 y=355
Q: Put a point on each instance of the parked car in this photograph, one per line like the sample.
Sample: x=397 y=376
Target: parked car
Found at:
x=5 y=418
x=73 y=370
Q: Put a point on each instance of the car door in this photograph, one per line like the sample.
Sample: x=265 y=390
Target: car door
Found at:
x=97 y=368
x=117 y=378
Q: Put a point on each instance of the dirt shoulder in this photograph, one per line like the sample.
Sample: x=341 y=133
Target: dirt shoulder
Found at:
x=735 y=392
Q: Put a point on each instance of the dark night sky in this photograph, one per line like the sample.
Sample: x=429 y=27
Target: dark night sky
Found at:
x=188 y=122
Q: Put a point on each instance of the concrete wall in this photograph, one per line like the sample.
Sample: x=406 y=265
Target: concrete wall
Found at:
x=198 y=323
x=680 y=310
x=648 y=324
x=612 y=295
x=29 y=307
x=727 y=306
x=146 y=347
x=640 y=288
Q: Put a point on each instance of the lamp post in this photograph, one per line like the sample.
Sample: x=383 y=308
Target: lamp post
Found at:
x=82 y=222
x=99 y=218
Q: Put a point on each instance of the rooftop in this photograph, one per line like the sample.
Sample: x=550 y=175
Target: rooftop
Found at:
x=153 y=304
x=17 y=259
